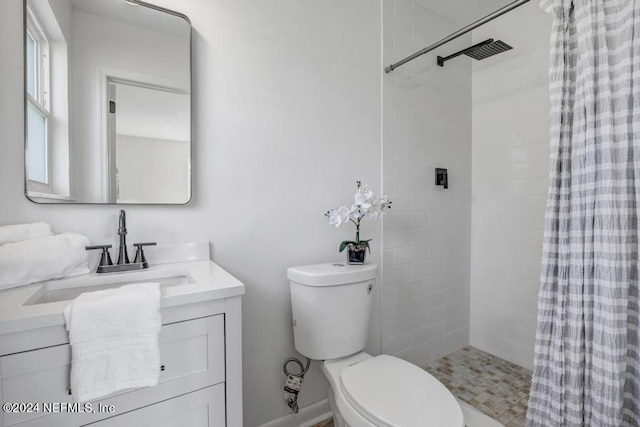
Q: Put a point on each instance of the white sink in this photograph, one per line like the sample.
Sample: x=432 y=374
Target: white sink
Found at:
x=69 y=289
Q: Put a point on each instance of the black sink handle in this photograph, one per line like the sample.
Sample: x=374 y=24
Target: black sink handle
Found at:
x=105 y=258
x=140 y=253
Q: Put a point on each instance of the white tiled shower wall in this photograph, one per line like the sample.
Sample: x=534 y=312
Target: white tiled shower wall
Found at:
x=446 y=282
x=426 y=124
x=510 y=167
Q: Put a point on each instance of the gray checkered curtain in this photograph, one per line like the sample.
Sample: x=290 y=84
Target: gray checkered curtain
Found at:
x=586 y=367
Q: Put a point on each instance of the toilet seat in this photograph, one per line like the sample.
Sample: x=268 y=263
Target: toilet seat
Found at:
x=390 y=392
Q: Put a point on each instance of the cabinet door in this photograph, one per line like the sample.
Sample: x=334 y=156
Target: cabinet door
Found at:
x=203 y=408
x=192 y=354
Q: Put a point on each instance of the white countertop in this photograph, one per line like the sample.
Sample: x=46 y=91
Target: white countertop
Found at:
x=207 y=281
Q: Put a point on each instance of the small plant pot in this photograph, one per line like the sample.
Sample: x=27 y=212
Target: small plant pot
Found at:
x=356 y=254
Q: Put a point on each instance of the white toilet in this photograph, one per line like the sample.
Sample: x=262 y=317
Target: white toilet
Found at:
x=331 y=306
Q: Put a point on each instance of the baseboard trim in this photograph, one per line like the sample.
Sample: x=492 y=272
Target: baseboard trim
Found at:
x=306 y=417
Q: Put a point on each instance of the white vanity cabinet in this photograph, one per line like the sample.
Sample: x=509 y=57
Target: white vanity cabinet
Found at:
x=198 y=409
x=201 y=374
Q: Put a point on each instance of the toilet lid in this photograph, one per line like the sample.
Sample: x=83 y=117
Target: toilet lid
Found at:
x=391 y=392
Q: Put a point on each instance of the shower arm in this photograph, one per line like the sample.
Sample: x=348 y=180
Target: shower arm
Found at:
x=457 y=34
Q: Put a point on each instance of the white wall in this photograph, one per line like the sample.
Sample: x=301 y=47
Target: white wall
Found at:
x=427 y=124
x=287 y=112
x=510 y=166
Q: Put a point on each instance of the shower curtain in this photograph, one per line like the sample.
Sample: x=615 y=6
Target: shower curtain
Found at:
x=587 y=350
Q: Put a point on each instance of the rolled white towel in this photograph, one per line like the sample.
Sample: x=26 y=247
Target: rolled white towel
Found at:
x=19 y=232
x=114 y=337
x=44 y=258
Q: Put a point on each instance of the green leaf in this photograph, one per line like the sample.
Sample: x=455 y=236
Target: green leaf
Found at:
x=346 y=243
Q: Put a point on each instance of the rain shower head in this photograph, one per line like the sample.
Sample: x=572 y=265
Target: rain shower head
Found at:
x=488 y=50
x=479 y=51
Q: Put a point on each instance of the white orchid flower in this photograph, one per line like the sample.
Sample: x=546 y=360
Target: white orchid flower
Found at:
x=363 y=197
x=339 y=216
x=366 y=204
x=378 y=207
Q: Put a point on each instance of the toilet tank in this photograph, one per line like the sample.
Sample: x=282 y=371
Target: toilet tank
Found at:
x=331 y=307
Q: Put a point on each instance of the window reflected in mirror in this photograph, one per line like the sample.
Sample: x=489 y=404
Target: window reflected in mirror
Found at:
x=38 y=109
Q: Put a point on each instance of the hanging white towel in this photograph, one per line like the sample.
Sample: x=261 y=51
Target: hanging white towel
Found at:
x=44 y=258
x=19 y=232
x=114 y=337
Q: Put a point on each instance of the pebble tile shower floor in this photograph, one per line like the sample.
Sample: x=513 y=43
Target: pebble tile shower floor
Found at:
x=492 y=385
x=498 y=388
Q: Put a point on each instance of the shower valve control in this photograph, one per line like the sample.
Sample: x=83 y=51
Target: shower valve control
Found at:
x=442 y=177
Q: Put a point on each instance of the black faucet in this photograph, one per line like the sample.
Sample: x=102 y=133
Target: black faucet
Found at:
x=123 y=257
x=123 y=264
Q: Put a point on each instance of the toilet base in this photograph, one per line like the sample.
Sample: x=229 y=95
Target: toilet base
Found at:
x=344 y=414
x=338 y=421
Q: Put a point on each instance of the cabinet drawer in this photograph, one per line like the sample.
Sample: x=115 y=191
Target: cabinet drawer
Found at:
x=192 y=353
x=202 y=408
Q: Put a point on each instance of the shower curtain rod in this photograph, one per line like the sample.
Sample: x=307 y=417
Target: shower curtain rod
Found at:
x=457 y=34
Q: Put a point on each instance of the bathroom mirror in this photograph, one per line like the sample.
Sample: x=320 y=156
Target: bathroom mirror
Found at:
x=107 y=102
